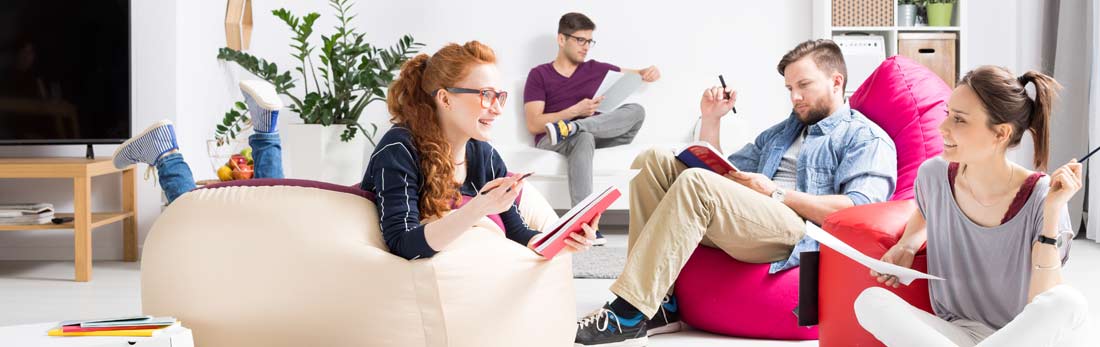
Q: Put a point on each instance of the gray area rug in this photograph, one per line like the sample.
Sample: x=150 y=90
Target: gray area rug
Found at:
x=599 y=262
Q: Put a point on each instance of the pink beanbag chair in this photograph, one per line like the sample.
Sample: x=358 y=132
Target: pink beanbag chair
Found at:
x=725 y=296
x=909 y=102
x=721 y=295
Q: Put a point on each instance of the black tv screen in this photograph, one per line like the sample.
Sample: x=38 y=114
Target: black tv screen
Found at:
x=64 y=71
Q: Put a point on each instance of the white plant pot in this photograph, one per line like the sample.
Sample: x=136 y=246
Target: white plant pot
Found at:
x=315 y=152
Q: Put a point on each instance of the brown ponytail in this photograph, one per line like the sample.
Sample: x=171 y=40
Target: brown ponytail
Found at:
x=1004 y=97
x=412 y=106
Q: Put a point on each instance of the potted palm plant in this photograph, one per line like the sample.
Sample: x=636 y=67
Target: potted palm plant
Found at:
x=940 y=12
x=334 y=141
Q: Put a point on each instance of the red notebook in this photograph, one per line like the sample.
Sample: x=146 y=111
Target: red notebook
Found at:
x=571 y=222
x=702 y=155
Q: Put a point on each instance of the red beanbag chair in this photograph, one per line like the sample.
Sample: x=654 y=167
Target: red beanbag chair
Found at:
x=721 y=295
x=871 y=229
x=909 y=102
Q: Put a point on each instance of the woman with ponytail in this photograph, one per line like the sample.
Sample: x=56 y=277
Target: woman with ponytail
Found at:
x=998 y=233
x=430 y=171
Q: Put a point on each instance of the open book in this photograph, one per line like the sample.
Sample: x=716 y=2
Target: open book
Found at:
x=554 y=240
x=702 y=155
x=905 y=275
x=616 y=87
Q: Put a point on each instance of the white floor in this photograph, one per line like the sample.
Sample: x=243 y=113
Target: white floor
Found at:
x=32 y=292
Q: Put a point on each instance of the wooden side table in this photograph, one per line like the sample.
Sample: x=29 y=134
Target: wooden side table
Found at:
x=81 y=171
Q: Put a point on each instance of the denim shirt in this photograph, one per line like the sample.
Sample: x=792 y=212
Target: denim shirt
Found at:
x=843 y=154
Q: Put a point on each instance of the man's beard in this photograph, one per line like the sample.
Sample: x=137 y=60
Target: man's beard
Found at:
x=816 y=112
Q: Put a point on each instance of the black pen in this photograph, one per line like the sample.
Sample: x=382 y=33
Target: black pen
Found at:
x=1086 y=157
x=509 y=188
x=723 y=80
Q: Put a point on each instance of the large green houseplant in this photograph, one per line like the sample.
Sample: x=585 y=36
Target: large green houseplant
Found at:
x=352 y=74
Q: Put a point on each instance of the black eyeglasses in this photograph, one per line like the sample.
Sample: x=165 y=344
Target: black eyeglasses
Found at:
x=581 y=41
x=488 y=95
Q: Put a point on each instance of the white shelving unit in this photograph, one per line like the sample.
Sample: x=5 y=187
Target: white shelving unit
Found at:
x=823 y=29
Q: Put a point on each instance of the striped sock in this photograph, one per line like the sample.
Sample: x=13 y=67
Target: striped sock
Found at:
x=263 y=120
x=263 y=105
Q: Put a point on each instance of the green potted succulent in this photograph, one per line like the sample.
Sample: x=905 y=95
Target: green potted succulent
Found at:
x=940 y=12
x=332 y=97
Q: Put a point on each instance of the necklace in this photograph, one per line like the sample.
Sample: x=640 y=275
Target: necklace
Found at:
x=1011 y=173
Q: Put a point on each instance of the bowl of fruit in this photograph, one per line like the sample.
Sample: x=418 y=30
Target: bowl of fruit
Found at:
x=231 y=161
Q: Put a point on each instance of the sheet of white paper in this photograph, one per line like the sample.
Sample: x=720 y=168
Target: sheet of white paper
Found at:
x=616 y=87
x=905 y=275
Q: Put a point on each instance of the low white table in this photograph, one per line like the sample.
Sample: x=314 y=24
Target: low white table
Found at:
x=34 y=335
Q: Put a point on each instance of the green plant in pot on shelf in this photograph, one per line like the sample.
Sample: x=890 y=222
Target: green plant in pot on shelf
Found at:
x=352 y=73
x=907 y=12
x=939 y=12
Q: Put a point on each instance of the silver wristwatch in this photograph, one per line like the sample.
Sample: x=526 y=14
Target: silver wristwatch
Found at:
x=778 y=194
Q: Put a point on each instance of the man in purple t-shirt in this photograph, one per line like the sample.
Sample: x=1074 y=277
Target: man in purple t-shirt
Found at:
x=560 y=109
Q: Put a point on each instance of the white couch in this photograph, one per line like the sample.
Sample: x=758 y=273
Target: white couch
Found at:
x=299 y=266
x=611 y=166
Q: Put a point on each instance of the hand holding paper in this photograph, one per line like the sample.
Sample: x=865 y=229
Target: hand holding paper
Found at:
x=904 y=275
x=616 y=87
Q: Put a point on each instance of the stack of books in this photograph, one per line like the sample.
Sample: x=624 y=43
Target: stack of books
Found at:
x=140 y=326
x=24 y=214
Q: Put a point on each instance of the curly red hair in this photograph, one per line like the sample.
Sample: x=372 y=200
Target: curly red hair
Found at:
x=411 y=106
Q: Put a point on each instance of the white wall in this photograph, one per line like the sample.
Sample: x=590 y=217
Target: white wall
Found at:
x=690 y=51
x=176 y=74
x=1020 y=35
x=154 y=84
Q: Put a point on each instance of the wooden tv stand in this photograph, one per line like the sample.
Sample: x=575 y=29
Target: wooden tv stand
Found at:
x=81 y=171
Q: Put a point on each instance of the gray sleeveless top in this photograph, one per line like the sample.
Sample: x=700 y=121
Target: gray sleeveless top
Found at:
x=986 y=269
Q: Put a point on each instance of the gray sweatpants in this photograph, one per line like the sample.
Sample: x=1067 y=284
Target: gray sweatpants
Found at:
x=610 y=129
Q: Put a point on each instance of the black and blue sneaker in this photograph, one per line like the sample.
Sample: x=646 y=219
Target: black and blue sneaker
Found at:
x=667 y=318
x=604 y=328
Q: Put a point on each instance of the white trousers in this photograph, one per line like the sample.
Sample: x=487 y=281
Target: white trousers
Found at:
x=1057 y=317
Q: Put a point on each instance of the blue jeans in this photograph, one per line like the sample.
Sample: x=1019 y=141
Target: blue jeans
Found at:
x=267 y=155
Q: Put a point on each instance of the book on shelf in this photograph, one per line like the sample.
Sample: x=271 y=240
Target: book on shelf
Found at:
x=22 y=209
x=28 y=220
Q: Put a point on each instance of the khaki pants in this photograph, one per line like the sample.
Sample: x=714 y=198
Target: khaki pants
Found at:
x=674 y=209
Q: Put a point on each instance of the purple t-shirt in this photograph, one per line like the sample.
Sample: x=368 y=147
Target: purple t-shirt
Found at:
x=560 y=92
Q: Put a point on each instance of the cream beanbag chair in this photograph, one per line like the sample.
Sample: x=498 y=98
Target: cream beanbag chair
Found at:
x=304 y=264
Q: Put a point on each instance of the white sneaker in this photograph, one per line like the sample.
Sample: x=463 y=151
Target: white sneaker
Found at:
x=147 y=146
x=263 y=104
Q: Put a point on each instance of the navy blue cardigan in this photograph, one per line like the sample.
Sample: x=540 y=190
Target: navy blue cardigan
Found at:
x=394 y=176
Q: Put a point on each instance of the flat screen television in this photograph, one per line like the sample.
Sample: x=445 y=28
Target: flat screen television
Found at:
x=64 y=72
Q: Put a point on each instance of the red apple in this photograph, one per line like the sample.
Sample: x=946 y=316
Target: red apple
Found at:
x=239 y=159
x=243 y=173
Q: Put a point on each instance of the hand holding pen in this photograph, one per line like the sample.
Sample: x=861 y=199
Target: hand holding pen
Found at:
x=492 y=201
x=726 y=94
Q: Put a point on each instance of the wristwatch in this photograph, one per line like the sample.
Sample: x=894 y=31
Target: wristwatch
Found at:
x=1056 y=241
x=778 y=194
